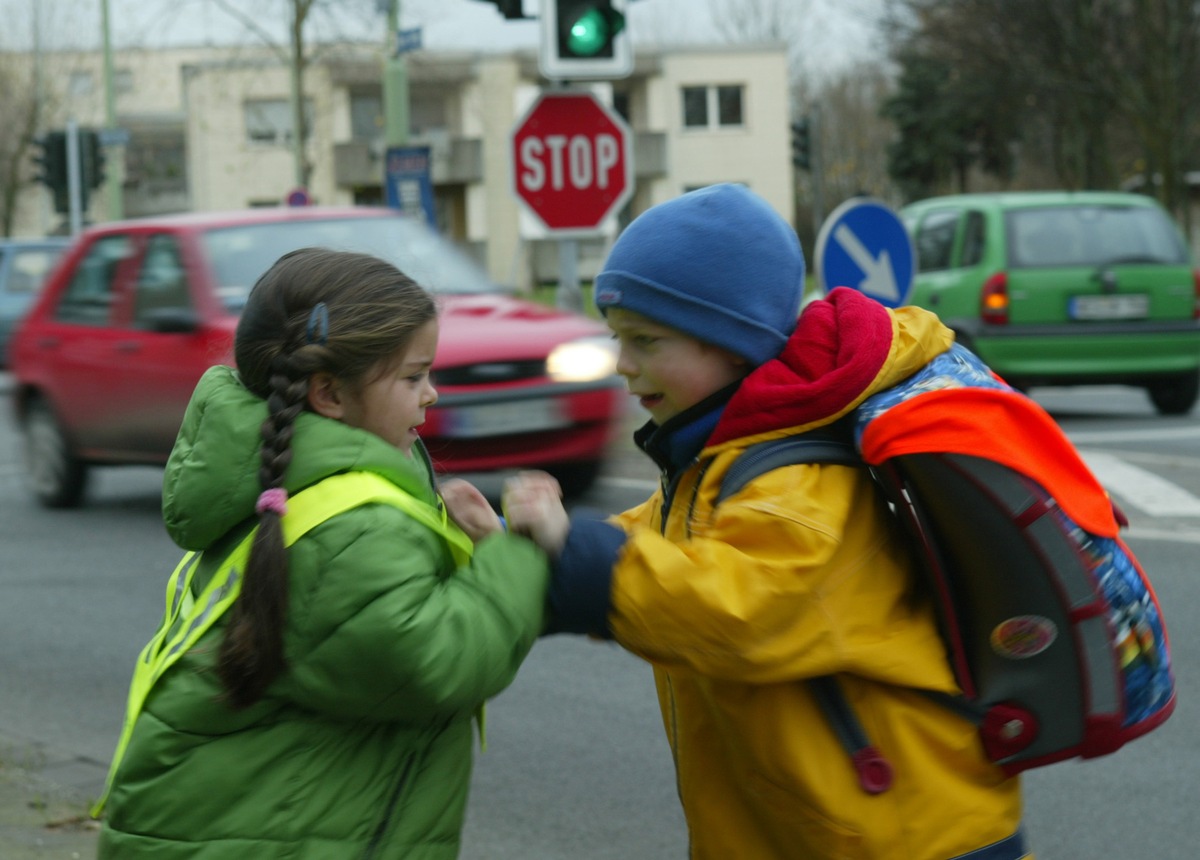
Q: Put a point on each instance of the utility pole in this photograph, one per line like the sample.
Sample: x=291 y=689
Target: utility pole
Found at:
x=115 y=175
x=395 y=84
x=299 y=157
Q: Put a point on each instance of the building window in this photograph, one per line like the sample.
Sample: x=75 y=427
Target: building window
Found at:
x=366 y=116
x=620 y=103
x=729 y=105
x=713 y=106
x=695 y=107
x=270 y=121
x=123 y=81
x=81 y=84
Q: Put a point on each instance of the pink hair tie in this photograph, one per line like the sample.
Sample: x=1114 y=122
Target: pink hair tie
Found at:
x=273 y=500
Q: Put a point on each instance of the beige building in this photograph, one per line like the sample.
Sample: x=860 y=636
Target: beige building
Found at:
x=211 y=129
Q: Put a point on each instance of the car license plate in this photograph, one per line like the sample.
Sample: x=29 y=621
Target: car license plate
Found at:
x=503 y=419
x=1125 y=307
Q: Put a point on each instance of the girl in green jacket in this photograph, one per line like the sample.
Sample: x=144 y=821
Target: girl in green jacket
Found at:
x=313 y=696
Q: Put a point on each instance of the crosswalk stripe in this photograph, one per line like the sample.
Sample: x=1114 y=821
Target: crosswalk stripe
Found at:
x=1142 y=489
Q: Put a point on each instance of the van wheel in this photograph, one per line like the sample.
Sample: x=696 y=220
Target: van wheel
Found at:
x=576 y=478
x=1176 y=395
x=55 y=475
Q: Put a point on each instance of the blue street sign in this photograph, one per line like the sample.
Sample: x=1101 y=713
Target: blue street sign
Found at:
x=408 y=41
x=408 y=181
x=863 y=245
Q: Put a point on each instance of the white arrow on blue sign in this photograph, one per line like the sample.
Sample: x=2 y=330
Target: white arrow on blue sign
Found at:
x=863 y=245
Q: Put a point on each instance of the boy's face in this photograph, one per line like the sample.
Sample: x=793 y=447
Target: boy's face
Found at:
x=667 y=370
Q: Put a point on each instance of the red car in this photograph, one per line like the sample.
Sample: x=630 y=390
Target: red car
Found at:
x=106 y=360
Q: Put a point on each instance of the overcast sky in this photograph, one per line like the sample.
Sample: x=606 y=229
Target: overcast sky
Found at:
x=830 y=26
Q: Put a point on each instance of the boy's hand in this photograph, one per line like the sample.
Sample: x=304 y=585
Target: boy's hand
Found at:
x=533 y=507
x=469 y=509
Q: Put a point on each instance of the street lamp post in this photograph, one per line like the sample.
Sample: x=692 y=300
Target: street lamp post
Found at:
x=395 y=84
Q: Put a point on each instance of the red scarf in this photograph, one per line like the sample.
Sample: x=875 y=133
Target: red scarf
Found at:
x=836 y=351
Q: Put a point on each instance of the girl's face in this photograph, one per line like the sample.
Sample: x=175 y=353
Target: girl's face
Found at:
x=392 y=403
x=667 y=370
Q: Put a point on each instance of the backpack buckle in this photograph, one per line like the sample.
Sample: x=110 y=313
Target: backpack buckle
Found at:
x=874 y=771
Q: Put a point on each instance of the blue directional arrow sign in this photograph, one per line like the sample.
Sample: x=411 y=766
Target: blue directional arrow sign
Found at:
x=863 y=245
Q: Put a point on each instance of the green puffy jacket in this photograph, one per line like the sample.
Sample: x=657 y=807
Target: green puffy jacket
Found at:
x=363 y=747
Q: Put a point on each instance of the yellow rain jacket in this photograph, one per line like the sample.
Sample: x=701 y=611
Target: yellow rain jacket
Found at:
x=801 y=574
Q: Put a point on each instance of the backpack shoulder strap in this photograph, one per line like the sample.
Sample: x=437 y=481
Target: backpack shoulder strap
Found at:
x=831 y=445
x=817 y=446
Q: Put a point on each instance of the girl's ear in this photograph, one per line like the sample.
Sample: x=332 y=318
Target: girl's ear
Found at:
x=325 y=395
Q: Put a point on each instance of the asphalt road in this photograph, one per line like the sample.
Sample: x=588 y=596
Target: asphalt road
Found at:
x=576 y=766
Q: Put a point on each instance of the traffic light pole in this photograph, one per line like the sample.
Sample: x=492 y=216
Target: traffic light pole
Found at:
x=817 y=171
x=74 y=178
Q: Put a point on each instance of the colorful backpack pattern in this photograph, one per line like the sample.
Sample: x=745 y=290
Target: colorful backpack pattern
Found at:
x=1052 y=628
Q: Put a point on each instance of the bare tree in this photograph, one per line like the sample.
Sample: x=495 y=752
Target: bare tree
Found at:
x=297 y=51
x=853 y=135
x=757 y=20
x=20 y=108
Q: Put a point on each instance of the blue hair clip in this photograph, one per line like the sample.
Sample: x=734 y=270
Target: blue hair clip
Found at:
x=318 y=324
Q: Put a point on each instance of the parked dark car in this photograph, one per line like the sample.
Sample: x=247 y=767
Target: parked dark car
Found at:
x=106 y=361
x=24 y=265
x=1064 y=288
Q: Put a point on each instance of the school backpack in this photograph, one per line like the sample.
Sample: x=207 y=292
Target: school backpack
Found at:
x=1051 y=626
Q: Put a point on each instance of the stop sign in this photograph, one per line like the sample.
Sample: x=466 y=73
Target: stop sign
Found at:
x=571 y=161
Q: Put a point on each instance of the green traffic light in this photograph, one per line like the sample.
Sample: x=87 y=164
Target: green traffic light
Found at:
x=591 y=33
x=588 y=34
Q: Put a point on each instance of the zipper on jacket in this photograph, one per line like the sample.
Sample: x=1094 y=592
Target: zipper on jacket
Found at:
x=669 y=487
x=393 y=800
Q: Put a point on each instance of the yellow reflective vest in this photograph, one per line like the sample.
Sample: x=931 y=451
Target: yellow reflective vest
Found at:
x=187 y=618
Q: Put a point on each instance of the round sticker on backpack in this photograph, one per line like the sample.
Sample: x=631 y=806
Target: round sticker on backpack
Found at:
x=1023 y=636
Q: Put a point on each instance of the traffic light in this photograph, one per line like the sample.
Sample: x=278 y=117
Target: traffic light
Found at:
x=91 y=158
x=801 y=144
x=50 y=156
x=584 y=39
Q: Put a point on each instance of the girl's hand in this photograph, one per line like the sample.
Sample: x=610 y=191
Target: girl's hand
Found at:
x=533 y=507
x=469 y=509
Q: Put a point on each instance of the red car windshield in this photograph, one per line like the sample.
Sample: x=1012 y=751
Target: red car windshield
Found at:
x=240 y=254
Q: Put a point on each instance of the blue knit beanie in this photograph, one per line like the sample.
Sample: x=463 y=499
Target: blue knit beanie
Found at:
x=718 y=264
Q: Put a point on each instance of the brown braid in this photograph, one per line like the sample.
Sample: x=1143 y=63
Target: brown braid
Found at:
x=373 y=310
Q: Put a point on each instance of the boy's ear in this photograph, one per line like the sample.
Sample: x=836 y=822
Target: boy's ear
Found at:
x=325 y=395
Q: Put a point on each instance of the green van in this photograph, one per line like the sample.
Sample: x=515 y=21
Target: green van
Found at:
x=1064 y=288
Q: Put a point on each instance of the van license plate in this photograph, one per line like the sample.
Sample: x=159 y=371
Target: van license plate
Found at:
x=1125 y=307
x=503 y=419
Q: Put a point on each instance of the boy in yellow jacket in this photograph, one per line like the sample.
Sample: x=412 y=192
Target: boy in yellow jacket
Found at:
x=801 y=574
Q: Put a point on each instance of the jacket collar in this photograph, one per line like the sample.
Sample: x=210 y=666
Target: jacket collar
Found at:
x=679 y=440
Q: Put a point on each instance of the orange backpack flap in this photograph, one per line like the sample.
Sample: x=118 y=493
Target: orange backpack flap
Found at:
x=1006 y=425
